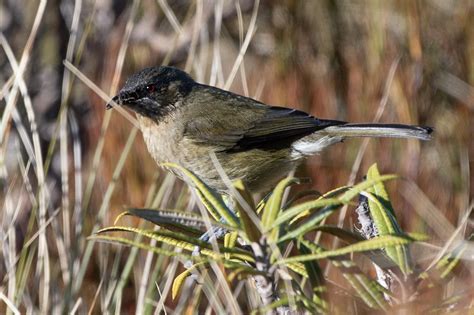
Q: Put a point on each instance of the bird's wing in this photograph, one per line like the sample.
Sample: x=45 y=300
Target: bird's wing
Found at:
x=279 y=127
x=236 y=123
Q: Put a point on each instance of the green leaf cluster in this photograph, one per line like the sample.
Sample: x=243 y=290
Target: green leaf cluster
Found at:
x=288 y=234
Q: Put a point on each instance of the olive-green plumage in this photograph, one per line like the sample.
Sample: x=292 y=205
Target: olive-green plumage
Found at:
x=188 y=123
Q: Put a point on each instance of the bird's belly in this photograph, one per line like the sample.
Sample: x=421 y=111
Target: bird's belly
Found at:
x=259 y=169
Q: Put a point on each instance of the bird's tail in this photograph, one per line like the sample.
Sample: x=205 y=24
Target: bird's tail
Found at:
x=338 y=131
x=379 y=130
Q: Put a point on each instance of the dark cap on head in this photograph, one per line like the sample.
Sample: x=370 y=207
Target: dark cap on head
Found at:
x=152 y=89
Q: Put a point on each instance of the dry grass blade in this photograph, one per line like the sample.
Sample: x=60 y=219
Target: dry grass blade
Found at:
x=9 y=303
x=43 y=258
x=170 y=16
x=245 y=45
x=30 y=241
x=428 y=211
x=99 y=92
x=22 y=65
x=216 y=77
x=455 y=240
x=104 y=206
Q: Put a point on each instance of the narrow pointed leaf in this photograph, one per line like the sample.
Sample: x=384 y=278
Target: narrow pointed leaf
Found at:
x=443 y=270
x=330 y=194
x=315 y=274
x=346 y=235
x=145 y=246
x=298 y=268
x=229 y=242
x=449 y=261
x=211 y=199
x=262 y=203
x=168 y=237
x=243 y=271
x=357 y=189
x=378 y=189
x=178 y=282
x=250 y=227
x=384 y=222
x=306 y=206
x=188 y=223
x=273 y=205
x=345 y=198
x=301 y=195
x=158 y=216
x=369 y=290
x=367 y=245
x=183 y=242
x=311 y=222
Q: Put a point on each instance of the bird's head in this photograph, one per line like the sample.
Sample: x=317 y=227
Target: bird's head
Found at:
x=154 y=92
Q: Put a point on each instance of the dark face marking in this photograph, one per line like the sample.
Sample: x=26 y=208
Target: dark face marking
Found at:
x=154 y=92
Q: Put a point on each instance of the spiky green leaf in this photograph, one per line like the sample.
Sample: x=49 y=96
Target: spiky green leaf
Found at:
x=369 y=290
x=357 y=189
x=211 y=199
x=182 y=241
x=367 y=245
x=145 y=246
x=273 y=205
x=178 y=282
x=383 y=221
x=248 y=214
x=306 y=206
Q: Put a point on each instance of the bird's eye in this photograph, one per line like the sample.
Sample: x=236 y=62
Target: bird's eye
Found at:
x=150 y=88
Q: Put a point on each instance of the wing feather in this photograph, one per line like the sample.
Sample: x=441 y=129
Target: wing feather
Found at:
x=243 y=123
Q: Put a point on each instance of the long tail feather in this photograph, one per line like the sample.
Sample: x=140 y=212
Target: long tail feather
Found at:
x=380 y=130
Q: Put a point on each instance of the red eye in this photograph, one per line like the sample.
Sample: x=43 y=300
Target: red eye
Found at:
x=150 y=88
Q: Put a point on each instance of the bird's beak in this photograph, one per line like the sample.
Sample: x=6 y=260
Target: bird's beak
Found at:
x=123 y=98
x=115 y=99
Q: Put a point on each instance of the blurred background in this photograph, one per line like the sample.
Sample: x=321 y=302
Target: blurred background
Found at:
x=75 y=166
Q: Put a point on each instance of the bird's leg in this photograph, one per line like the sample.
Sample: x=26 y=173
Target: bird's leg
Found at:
x=214 y=233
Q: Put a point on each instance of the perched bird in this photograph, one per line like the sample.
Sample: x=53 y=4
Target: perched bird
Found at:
x=186 y=122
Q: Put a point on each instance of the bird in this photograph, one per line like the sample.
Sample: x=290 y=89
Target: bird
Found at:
x=193 y=125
